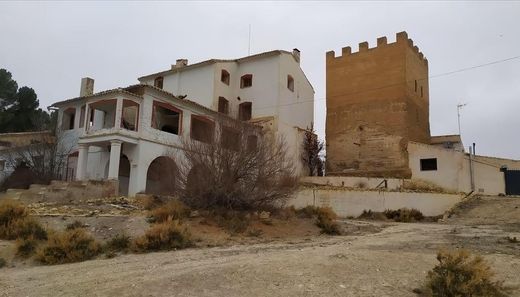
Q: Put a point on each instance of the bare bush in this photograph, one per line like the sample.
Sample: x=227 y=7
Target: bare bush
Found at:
x=15 y=222
x=241 y=169
x=73 y=245
x=39 y=162
x=461 y=274
x=312 y=150
x=167 y=235
x=172 y=210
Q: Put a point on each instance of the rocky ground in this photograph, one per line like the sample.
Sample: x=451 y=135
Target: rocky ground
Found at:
x=374 y=259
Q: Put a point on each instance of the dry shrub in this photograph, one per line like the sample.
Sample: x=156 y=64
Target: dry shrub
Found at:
x=172 y=210
x=232 y=220
x=26 y=247
x=420 y=185
x=372 y=215
x=15 y=223
x=404 y=215
x=75 y=225
x=69 y=246
x=150 y=202
x=461 y=274
x=285 y=213
x=241 y=168
x=119 y=243
x=326 y=220
x=167 y=235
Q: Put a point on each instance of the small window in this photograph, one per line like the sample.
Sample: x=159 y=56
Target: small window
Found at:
x=252 y=143
x=166 y=118
x=290 y=83
x=158 y=82
x=421 y=91
x=230 y=139
x=224 y=77
x=202 y=129
x=2 y=165
x=245 y=111
x=416 y=86
x=429 y=164
x=246 y=81
x=223 y=105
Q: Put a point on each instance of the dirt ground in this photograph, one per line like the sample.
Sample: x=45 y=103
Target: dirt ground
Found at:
x=373 y=259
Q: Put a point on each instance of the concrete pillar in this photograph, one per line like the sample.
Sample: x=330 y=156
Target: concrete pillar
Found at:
x=115 y=154
x=81 y=169
x=119 y=113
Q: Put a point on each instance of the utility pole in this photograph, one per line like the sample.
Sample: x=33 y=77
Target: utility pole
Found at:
x=459 y=107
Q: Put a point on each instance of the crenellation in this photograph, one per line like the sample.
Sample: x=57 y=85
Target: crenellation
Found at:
x=381 y=41
x=346 y=51
x=330 y=55
x=363 y=46
x=416 y=49
x=402 y=37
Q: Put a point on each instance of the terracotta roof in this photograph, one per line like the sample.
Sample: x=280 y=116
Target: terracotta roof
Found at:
x=212 y=61
x=112 y=91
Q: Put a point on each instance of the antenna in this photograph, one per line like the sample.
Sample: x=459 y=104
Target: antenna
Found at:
x=249 y=44
x=459 y=107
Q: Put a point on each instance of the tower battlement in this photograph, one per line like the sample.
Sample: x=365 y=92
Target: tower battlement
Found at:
x=401 y=38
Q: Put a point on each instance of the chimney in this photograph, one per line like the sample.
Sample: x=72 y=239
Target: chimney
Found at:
x=87 y=87
x=181 y=63
x=296 y=54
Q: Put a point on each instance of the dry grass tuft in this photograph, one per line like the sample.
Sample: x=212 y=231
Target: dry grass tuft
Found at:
x=172 y=210
x=119 y=243
x=461 y=274
x=372 y=215
x=75 y=225
x=405 y=215
x=25 y=248
x=15 y=222
x=150 y=202
x=419 y=185
x=325 y=218
x=74 y=245
x=167 y=235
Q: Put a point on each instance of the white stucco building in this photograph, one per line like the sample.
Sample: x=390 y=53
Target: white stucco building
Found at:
x=127 y=133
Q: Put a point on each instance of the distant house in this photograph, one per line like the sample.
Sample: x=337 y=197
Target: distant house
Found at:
x=128 y=133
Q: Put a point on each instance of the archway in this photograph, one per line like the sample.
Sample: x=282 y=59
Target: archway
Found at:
x=161 y=176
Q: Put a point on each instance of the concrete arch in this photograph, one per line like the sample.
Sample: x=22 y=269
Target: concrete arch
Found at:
x=162 y=176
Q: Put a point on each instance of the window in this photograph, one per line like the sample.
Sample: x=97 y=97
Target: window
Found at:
x=245 y=111
x=158 y=82
x=2 y=165
x=202 y=129
x=246 y=81
x=130 y=115
x=230 y=139
x=224 y=77
x=82 y=117
x=252 y=142
x=415 y=85
x=223 y=105
x=69 y=115
x=290 y=83
x=429 y=164
x=166 y=118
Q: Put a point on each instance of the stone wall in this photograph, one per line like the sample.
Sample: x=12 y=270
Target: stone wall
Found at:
x=377 y=100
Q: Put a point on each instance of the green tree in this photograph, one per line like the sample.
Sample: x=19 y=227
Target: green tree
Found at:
x=19 y=110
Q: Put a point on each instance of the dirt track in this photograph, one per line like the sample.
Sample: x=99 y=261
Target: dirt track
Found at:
x=390 y=263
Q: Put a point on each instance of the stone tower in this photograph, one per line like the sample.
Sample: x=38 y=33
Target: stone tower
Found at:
x=377 y=101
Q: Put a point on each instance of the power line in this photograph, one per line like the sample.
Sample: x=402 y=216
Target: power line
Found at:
x=401 y=83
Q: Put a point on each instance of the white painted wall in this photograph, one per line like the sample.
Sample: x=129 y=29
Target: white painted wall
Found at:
x=352 y=203
x=453 y=170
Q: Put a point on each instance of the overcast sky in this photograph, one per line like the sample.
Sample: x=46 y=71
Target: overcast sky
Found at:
x=49 y=46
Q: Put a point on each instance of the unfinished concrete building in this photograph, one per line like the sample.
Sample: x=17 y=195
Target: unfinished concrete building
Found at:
x=377 y=101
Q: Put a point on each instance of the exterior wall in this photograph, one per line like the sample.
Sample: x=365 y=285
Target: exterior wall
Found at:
x=373 y=109
x=453 y=170
x=352 y=203
x=511 y=164
x=352 y=182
